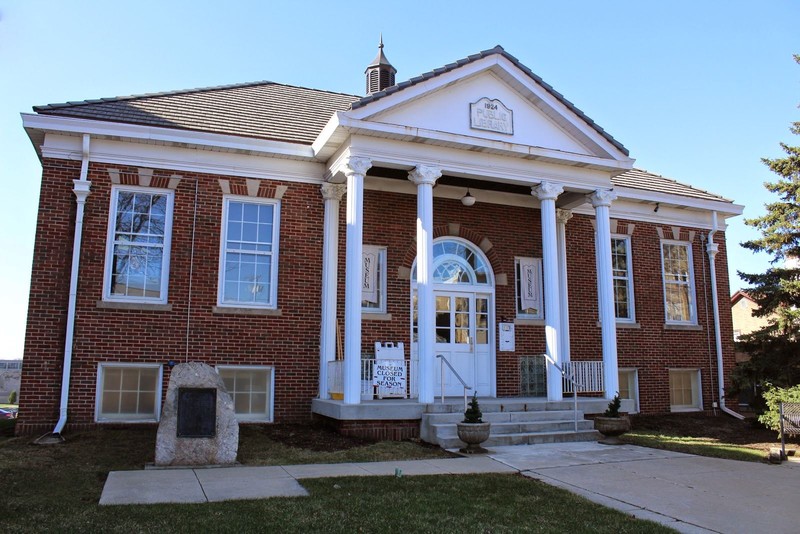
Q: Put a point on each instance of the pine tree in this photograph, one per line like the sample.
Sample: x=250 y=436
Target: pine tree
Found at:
x=775 y=349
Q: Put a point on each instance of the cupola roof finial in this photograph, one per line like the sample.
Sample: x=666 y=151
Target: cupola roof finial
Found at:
x=380 y=73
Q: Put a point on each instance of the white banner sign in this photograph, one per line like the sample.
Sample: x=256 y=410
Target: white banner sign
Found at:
x=530 y=270
x=369 y=274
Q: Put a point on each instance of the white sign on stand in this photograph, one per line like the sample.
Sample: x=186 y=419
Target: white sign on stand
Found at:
x=389 y=372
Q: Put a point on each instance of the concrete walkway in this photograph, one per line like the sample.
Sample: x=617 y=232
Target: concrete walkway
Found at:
x=685 y=492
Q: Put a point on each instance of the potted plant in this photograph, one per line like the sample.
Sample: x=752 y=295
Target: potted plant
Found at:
x=612 y=424
x=473 y=431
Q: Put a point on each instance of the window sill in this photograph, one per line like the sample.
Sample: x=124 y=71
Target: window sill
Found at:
x=674 y=409
x=368 y=316
x=528 y=322
x=684 y=327
x=623 y=324
x=143 y=306
x=232 y=310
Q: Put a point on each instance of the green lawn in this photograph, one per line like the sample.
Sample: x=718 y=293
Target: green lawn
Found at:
x=691 y=445
x=57 y=487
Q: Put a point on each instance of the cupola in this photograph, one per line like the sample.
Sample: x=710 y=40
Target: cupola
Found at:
x=380 y=73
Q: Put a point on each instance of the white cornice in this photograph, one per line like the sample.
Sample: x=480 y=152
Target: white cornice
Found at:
x=184 y=159
x=622 y=208
x=166 y=136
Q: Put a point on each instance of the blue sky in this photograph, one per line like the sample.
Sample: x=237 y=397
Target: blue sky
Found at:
x=697 y=91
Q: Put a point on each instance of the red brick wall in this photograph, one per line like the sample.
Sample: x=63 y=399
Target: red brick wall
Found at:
x=290 y=342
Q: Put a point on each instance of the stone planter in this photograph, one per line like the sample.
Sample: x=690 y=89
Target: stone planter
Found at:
x=473 y=434
x=612 y=428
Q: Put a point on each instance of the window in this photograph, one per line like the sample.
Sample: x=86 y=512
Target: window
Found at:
x=373 y=289
x=529 y=296
x=249 y=253
x=629 y=386
x=139 y=233
x=128 y=392
x=251 y=388
x=676 y=258
x=622 y=272
x=684 y=390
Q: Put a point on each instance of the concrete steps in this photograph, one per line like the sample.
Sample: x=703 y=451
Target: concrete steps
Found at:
x=513 y=423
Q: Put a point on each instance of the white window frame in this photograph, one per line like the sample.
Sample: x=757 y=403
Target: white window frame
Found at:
x=633 y=385
x=167 y=247
x=692 y=320
x=697 y=388
x=517 y=282
x=98 y=416
x=273 y=296
x=251 y=418
x=382 y=280
x=628 y=279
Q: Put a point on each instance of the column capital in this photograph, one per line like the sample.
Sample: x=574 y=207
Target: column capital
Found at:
x=332 y=191
x=602 y=197
x=563 y=216
x=424 y=174
x=547 y=191
x=357 y=165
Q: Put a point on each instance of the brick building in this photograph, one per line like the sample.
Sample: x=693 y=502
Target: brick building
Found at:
x=278 y=233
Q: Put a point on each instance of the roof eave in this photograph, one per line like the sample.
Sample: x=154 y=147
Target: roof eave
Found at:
x=724 y=208
x=38 y=125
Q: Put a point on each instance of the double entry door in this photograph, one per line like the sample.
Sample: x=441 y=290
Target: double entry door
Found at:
x=463 y=336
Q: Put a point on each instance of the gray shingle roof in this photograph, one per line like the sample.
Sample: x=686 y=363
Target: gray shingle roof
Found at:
x=273 y=111
x=648 y=181
x=263 y=110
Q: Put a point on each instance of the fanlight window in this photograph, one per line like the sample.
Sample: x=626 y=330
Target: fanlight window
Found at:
x=456 y=263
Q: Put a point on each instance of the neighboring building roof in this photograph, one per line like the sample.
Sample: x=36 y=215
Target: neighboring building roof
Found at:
x=736 y=297
x=648 y=181
x=264 y=110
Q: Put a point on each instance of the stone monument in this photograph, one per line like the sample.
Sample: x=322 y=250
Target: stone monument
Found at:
x=198 y=425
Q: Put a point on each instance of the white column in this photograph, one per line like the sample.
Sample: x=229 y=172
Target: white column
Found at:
x=355 y=169
x=424 y=176
x=332 y=193
x=562 y=217
x=601 y=201
x=547 y=193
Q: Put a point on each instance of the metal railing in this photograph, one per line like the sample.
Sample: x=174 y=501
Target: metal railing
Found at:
x=455 y=373
x=575 y=385
x=588 y=377
x=380 y=378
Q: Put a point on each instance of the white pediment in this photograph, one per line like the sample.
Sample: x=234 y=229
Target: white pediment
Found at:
x=487 y=107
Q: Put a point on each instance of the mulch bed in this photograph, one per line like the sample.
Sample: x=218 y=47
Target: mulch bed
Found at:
x=724 y=428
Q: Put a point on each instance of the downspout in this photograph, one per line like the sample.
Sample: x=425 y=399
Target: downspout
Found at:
x=81 y=190
x=712 y=249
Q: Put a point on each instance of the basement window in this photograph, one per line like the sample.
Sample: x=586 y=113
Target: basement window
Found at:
x=252 y=390
x=684 y=390
x=128 y=392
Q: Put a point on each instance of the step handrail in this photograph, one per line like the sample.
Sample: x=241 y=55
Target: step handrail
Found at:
x=466 y=387
x=575 y=384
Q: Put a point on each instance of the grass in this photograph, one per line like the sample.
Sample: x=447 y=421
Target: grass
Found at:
x=692 y=445
x=57 y=488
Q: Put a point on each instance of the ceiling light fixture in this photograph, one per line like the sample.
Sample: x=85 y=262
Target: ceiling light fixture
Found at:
x=468 y=200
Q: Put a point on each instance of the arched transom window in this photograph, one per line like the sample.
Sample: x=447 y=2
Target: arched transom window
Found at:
x=457 y=262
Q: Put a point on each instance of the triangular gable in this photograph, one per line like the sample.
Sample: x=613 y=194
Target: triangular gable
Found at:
x=440 y=101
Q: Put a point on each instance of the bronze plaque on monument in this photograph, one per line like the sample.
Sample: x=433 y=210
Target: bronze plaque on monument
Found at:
x=197 y=412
